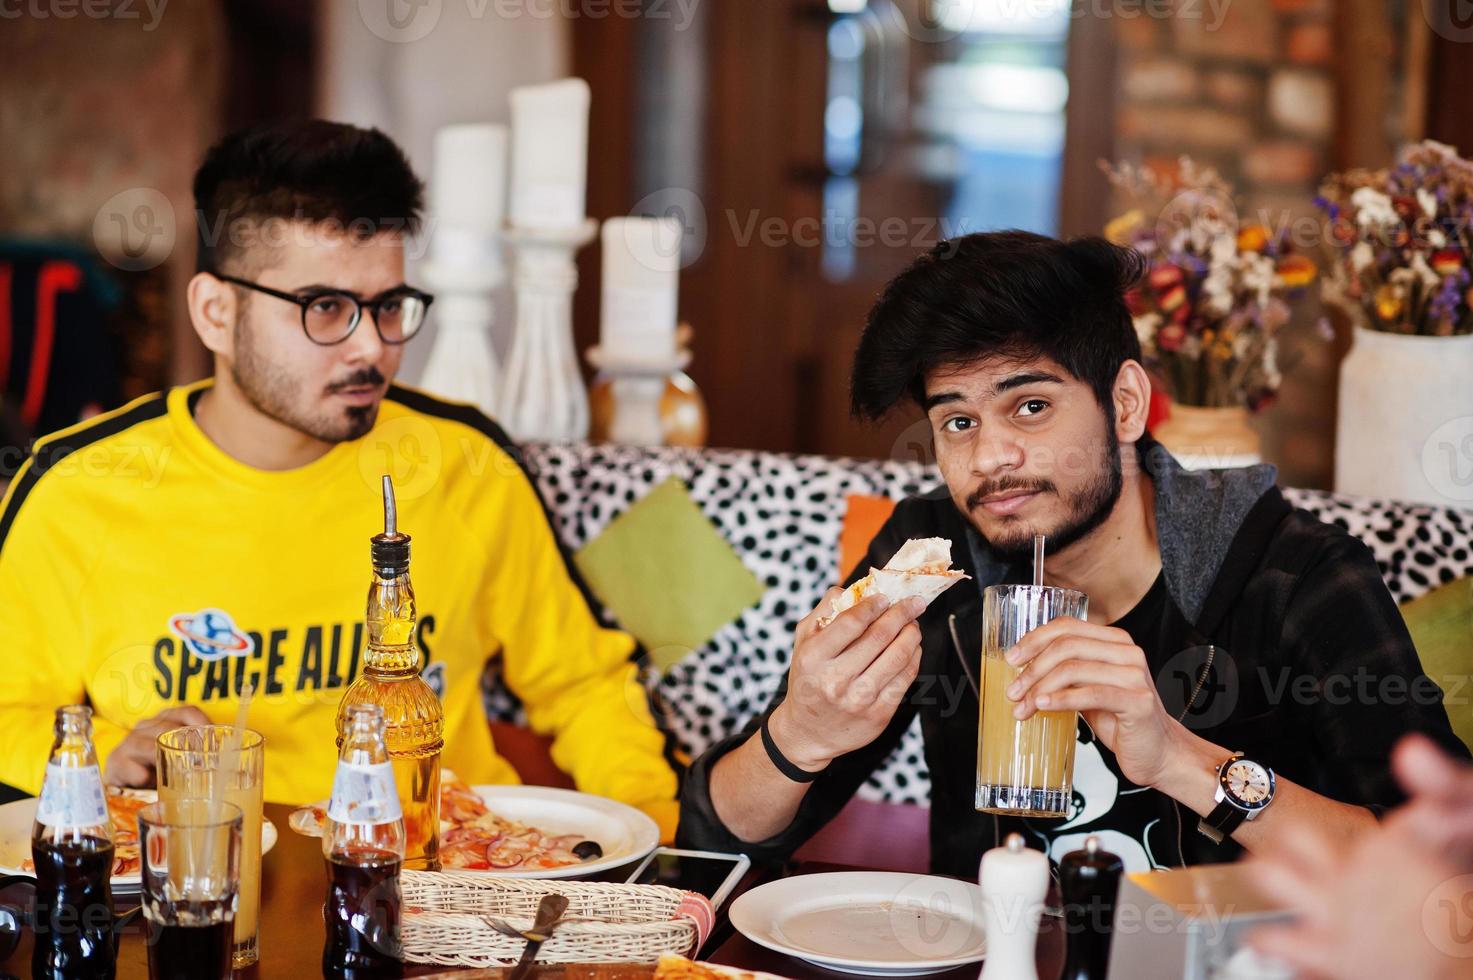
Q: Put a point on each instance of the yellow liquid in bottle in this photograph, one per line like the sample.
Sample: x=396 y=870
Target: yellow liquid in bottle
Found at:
x=414 y=721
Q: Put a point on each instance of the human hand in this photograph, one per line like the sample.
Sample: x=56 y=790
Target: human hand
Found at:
x=1377 y=909
x=846 y=679
x=1071 y=665
x=132 y=762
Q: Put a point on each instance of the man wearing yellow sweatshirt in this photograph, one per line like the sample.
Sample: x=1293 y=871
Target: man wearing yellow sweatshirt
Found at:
x=156 y=560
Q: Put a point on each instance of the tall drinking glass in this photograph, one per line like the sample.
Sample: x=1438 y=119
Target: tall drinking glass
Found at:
x=190 y=761
x=191 y=878
x=1024 y=768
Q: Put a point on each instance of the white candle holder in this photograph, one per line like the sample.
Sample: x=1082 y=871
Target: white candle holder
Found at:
x=542 y=395
x=462 y=365
x=637 y=389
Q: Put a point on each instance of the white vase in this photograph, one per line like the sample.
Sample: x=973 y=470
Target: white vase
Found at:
x=1405 y=425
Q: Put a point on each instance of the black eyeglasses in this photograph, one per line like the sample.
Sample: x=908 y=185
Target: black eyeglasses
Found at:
x=329 y=316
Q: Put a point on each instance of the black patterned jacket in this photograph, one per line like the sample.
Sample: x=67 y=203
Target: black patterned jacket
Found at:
x=1278 y=639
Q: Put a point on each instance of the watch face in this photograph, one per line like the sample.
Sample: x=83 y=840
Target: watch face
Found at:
x=1249 y=784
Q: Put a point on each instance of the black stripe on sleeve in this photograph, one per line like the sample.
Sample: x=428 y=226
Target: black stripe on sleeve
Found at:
x=52 y=451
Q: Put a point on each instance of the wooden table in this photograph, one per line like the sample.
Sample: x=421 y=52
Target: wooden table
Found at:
x=294 y=882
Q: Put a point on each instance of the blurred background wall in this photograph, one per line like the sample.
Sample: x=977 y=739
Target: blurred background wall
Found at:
x=91 y=108
x=812 y=147
x=410 y=82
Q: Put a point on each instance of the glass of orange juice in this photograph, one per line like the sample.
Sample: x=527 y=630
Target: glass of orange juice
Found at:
x=1024 y=768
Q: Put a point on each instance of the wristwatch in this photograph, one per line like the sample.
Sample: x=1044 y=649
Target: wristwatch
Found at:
x=1244 y=789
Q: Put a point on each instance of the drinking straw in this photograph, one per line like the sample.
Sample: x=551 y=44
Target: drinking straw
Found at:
x=229 y=763
x=1038 y=540
x=230 y=754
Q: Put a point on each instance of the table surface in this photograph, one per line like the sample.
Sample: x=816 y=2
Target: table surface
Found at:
x=292 y=930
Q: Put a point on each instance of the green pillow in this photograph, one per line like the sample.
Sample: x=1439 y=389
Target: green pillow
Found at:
x=1441 y=624
x=667 y=573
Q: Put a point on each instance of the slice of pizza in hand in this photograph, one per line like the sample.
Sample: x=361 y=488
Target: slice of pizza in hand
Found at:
x=922 y=567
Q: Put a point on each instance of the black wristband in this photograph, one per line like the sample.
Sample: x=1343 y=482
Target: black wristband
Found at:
x=1219 y=825
x=781 y=761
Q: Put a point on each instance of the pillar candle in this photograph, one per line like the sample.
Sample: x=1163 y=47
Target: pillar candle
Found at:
x=468 y=196
x=549 y=170
x=468 y=186
x=641 y=274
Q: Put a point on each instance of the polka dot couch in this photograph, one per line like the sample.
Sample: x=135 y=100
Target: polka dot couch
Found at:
x=784 y=514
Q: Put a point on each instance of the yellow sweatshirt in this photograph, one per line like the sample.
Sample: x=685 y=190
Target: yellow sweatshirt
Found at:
x=142 y=567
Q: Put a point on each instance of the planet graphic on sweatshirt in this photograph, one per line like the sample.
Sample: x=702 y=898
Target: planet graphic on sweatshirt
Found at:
x=211 y=634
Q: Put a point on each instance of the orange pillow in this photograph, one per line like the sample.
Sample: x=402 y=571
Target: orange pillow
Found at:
x=863 y=518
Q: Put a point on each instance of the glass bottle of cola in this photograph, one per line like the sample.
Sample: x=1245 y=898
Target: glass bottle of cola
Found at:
x=72 y=848
x=363 y=843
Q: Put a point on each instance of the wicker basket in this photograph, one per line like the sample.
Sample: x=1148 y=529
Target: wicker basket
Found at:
x=443 y=920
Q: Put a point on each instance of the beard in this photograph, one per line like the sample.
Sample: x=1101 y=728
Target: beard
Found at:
x=275 y=393
x=1088 y=507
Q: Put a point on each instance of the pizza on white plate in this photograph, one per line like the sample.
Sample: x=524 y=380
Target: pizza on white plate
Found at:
x=473 y=838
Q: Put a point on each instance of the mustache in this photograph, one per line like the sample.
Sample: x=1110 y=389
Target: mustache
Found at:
x=366 y=378
x=1007 y=484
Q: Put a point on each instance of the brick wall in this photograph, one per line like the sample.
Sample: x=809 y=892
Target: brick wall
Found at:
x=1250 y=87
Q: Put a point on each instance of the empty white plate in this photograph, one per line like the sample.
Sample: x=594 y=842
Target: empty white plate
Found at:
x=877 y=923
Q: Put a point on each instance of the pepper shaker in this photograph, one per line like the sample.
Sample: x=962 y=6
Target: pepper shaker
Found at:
x=1014 y=880
x=1088 y=882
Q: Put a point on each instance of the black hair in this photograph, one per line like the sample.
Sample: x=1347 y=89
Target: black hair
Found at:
x=303 y=170
x=1009 y=293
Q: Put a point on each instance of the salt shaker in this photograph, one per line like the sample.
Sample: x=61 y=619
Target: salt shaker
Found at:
x=1088 y=882
x=1014 y=880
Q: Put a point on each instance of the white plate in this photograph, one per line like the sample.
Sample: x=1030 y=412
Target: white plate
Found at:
x=877 y=923
x=737 y=973
x=624 y=833
x=17 y=819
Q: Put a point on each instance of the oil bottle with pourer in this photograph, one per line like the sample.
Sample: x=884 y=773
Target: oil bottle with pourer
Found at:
x=414 y=720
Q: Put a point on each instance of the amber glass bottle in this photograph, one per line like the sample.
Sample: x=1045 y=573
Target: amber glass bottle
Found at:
x=414 y=721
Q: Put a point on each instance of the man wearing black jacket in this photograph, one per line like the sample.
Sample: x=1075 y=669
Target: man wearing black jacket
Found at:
x=1243 y=671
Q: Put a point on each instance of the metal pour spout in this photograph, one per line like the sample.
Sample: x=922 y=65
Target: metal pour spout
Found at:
x=390 y=508
x=390 y=550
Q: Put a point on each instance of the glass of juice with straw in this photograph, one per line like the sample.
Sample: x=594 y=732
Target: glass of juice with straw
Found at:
x=1024 y=768
x=224 y=763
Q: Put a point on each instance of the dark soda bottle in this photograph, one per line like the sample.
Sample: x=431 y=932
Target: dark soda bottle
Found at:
x=363 y=915
x=363 y=844
x=72 y=847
